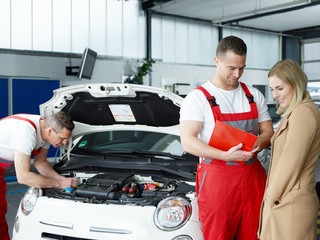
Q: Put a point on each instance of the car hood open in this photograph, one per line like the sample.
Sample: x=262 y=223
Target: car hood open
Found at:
x=105 y=104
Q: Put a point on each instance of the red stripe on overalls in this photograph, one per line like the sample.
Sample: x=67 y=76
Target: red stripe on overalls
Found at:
x=34 y=151
x=229 y=196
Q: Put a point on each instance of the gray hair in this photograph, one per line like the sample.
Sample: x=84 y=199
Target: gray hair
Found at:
x=59 y=121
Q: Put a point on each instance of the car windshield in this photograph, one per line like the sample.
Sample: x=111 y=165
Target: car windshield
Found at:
x=133 y=141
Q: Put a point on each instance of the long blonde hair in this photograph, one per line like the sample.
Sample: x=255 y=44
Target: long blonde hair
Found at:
x=291 y=73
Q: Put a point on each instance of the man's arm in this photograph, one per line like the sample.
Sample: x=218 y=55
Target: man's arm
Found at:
x=22 y=164
x=189 y=131
x=265 y=134
x=43 y=166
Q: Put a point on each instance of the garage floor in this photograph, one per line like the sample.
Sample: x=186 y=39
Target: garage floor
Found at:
x=16 y=191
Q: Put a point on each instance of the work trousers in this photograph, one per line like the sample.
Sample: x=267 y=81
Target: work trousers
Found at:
x=4 y=235
x=229 y=200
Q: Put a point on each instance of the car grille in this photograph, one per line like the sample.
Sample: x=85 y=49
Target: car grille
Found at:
x=51 y=236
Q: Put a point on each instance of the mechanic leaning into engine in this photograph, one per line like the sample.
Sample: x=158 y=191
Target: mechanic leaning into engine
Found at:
x=229 y=194
x=24 y=135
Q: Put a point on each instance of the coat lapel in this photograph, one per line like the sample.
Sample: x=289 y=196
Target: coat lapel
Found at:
x=282 y=126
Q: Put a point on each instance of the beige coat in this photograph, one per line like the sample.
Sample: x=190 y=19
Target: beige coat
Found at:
x=290 y=205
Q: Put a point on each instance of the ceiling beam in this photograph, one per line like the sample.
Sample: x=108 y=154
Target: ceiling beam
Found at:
x=148 y=4
x=266 y=13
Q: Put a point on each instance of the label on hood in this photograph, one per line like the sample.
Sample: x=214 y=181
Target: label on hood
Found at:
x=122 y=113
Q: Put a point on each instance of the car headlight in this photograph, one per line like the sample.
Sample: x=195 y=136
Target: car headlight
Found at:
x=172 y=213
x=29 y=199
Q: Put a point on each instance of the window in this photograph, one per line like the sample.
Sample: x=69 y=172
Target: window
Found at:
x=110 y=27
x=116 y=28
x=262 y=48
x=183 y=41
x=311 y=66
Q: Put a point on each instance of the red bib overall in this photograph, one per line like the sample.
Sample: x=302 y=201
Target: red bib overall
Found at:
x=4 y=165
x=229 y=194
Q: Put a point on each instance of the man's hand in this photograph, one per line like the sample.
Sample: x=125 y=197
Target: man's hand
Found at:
x=257 y=146
x=67 y=183
x=265 y=133
x=235 y=153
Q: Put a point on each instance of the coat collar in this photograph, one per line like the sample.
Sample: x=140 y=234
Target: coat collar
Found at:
x=284 y=122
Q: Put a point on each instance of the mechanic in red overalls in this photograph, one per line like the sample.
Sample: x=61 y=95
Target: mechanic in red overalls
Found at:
x=229 y=194
x=20 y=135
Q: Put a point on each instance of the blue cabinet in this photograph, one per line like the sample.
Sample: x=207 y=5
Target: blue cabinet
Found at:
x=28 y=94
x=4 y=98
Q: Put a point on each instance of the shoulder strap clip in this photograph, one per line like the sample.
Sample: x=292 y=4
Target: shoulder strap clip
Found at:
x=250 y=98
x=212 y=101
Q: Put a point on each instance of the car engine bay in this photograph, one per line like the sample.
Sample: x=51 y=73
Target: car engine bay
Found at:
x=104 y=188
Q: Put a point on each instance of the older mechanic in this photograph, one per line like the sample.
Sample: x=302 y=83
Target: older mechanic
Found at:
x=24 y=135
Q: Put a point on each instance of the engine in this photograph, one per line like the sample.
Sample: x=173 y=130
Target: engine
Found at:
x=122 y=189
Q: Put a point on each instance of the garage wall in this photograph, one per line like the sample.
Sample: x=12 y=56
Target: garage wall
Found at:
x=194 y=75
x=45 y=67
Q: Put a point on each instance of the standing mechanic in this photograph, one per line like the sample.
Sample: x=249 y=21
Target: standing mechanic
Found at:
x=23 y=135
x=229 y=194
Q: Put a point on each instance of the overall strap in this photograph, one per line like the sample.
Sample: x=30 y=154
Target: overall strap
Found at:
x=250 y=98
x=21 y=118
x=227 y=117
x=213 y=104
x=247 y=92
x=211 y=99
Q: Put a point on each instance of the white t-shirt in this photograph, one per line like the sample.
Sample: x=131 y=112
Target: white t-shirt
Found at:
x=196 y=106
x=20 y=135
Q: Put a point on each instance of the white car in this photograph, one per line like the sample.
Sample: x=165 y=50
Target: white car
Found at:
x=135 y=181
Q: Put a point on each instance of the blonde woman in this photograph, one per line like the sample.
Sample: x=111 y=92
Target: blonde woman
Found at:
x=290 y=204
